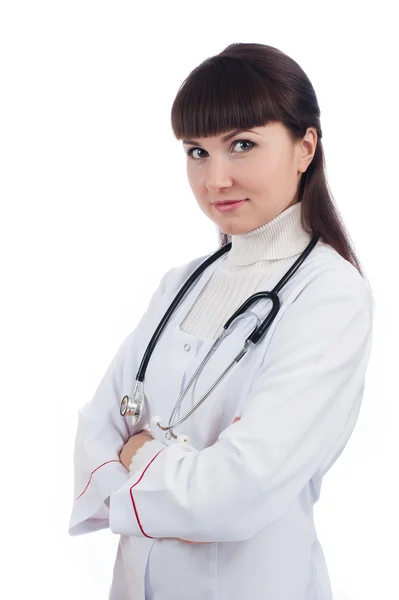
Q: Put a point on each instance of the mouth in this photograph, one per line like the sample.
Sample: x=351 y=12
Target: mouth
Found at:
x=219 y=202
x=226 y=205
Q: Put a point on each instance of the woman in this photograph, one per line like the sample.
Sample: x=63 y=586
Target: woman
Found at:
x=228 y=514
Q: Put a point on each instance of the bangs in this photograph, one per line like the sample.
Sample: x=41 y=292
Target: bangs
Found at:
x=223 y=94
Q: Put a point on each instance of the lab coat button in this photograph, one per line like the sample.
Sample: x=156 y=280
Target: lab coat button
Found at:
x=186 y=347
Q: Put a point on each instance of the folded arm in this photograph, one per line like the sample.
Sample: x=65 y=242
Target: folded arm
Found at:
x=102 y=432
x=296 y=414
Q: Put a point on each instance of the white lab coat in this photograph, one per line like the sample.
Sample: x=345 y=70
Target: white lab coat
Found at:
x=298 y=393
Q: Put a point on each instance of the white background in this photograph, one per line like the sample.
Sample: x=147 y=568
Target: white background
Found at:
x=95 y=207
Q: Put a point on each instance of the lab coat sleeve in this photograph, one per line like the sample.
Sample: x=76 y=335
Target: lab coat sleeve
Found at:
x=102 y=432
x=300 y=409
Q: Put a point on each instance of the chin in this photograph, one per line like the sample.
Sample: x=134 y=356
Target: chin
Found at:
x=234 y=229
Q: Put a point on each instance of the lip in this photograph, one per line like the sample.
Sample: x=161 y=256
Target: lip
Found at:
x=227 y=205
x=230 y=201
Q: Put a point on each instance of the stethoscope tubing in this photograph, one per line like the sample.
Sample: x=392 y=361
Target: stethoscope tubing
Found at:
x=258 y=332
x=205 y=396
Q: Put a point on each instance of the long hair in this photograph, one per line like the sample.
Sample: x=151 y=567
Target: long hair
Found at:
x=250 y=85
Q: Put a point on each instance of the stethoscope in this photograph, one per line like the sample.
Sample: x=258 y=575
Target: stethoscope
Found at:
x=133 y=407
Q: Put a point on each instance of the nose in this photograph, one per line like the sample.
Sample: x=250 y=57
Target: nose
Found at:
x=217 y=175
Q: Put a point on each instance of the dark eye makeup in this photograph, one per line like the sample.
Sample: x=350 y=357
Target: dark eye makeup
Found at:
x=190 y=151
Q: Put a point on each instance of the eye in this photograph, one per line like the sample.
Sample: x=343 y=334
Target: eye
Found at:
x=190 y=151
x=244 y=142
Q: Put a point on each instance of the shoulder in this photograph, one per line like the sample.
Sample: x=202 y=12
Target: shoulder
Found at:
x=327 y=306
x=325 y=273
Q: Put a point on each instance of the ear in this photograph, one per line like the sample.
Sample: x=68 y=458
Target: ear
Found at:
x=306 y=149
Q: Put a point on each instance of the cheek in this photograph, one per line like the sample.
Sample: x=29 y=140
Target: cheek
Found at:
x=197 y=185
x=193 y=179
x=277 y=172
x=260 y=174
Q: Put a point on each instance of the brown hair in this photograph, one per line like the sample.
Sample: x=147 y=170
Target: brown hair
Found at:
x=249 y=85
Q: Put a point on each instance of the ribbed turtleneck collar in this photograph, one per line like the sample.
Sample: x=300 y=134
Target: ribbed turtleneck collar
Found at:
x=281 y=237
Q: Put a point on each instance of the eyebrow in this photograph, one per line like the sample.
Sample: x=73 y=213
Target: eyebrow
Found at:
x=224 y=138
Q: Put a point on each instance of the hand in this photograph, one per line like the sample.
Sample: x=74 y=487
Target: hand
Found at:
x=132 y=445
x=186 y=541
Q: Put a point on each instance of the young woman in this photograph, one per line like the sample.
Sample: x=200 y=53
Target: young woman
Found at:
x=220 y=506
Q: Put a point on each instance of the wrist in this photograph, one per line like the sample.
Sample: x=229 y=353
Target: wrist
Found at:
x=144 y=454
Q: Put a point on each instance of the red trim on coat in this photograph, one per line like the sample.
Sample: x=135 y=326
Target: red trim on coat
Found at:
x=91 y=474
x=131 y=496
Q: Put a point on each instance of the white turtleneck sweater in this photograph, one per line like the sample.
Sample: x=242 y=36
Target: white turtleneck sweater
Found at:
x=253 y=255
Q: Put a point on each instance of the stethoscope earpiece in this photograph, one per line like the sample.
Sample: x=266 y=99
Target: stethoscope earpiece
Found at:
x=156 y=420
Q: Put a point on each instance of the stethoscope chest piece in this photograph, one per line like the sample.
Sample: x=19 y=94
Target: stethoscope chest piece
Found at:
x=132 y=407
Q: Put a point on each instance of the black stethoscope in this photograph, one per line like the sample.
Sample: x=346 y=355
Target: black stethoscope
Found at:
x=133 y=407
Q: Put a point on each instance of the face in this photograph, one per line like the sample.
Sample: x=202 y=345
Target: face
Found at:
x=261 y=165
